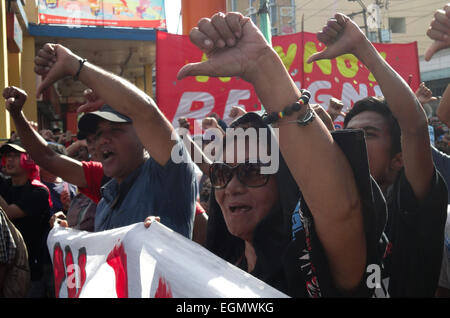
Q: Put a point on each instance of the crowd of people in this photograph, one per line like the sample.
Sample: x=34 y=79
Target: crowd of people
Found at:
x=338 y=203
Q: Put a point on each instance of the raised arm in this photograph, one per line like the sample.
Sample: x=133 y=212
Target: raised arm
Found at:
x=65 y=167
x=343 y=36
x=443 y=111
x=153 y=129
x=235 y=47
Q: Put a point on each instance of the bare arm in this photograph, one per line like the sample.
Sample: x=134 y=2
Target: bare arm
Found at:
x=338 y=219
x=401 y=99
x=152 y=128
x=11 y=210
x=67 y=168
x=196 y=153
x=443 y=111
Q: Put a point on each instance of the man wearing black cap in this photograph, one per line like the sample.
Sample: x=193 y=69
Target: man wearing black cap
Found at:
x=125 y=124
x=26 y=202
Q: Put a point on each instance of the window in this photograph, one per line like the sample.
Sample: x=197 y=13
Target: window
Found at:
x=397 y=25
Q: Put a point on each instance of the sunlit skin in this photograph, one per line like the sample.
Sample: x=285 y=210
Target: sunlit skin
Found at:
x=244 y=207
x=13 y=168
x=118 y=149
x=383 y=166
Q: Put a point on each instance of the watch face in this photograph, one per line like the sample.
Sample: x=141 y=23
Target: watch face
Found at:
x=306 y=118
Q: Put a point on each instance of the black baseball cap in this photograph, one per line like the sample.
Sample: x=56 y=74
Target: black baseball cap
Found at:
x=88 y=122
x=12 y=145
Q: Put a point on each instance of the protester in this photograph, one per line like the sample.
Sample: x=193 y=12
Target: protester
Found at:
x=343 y=243
x=81 y=212
x=14 y=266
x=7 y=249
x=132 y=123
x=61 y=191
x=441 y=160
x=415 y=192
x=26 y=201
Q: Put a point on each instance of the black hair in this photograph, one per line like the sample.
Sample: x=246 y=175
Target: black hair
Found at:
x=271 y=235
x=378 y=105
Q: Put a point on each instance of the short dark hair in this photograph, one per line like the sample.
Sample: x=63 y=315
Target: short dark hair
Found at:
x=378 y=105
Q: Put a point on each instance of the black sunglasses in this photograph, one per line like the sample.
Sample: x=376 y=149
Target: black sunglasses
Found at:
x=247 y=173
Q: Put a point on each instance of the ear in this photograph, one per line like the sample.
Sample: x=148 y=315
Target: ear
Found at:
x=397 y=162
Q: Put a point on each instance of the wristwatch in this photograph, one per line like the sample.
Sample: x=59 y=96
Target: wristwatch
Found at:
x=306 y=118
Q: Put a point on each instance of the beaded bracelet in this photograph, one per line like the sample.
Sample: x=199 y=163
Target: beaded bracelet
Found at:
x=288 y=110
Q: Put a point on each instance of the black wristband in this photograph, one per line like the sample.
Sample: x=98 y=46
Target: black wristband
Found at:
x=81 y=61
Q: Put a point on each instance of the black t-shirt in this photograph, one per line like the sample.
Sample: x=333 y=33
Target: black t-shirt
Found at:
x=296 y=263
x=414 y=238
x=33 y=201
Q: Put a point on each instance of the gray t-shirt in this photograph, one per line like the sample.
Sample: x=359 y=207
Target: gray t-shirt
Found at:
x=167 y=191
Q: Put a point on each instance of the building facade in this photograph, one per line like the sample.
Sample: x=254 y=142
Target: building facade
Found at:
x=386 y=21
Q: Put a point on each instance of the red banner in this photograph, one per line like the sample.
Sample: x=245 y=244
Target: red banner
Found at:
x=345 y=77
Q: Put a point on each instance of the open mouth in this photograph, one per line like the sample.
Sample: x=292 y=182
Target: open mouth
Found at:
x=106 y=154
x=240 y=208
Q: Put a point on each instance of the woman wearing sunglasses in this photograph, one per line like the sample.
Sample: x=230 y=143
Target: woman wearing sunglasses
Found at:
x=319 y=241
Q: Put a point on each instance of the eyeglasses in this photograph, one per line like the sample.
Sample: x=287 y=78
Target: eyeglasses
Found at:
x=247 y=173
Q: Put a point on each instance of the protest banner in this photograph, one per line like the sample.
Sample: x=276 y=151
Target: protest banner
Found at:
x=345 y=77
x=136 y=262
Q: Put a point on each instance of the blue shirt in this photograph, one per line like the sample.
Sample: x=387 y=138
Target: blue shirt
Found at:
x=167 y=191
x=55 y=192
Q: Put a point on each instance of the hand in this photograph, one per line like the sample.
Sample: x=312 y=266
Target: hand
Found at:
x=439 y=31
x=424 y=94
x=236 y=112
x=341 y=36
x=65 y=198
x=15 y=99
x=34 y=125
x=210 y=122
x=93 y=102
x=335 y=108
x=233 y=45
x=47 y=135
x=59 y=218
x=150 y=219
x=324 y=116
x=54 y=62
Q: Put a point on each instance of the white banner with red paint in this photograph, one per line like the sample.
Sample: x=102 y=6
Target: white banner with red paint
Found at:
x=137 y=262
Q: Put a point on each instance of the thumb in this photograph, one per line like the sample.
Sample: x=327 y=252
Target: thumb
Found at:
x=434 y=47
x=318 y=56
x=10 y=101
x=193 y=69
x=90 y=106
x=46 y=82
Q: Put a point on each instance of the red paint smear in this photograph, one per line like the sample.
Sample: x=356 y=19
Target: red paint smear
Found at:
x=163 y=290
x=117 y=259
x=82 y=258
x=71 y=292
x=58 y=268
